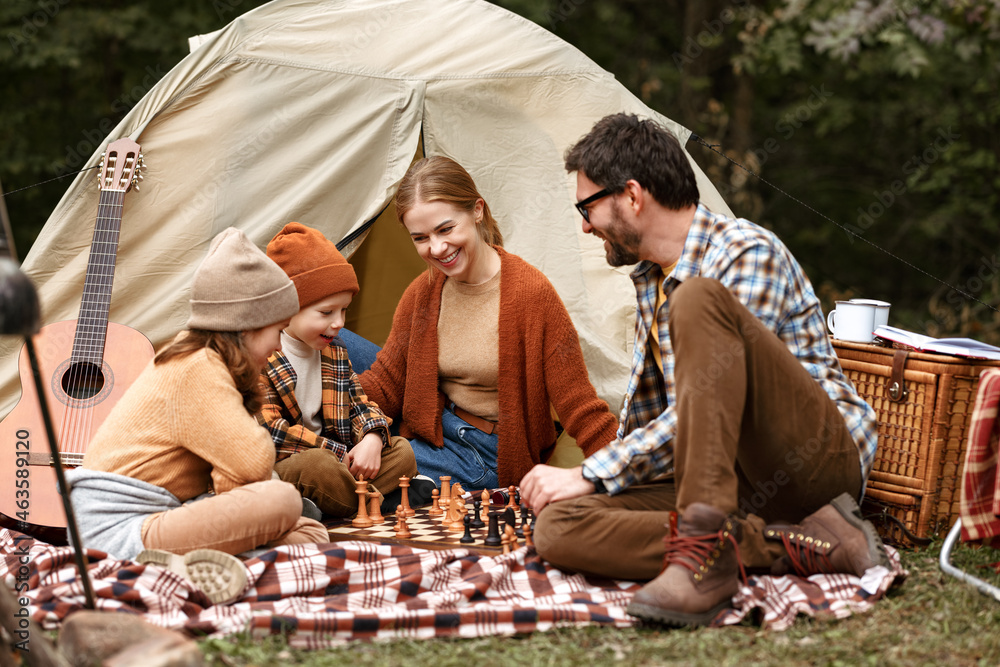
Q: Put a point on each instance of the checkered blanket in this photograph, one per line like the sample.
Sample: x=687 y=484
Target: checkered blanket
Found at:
x=980 y=506
x=329 y=594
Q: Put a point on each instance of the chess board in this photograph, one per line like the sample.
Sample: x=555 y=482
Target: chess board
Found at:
x=427 y=532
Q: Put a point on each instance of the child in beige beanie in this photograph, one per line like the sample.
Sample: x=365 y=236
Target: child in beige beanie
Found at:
x=326 y=431
x=185 y=431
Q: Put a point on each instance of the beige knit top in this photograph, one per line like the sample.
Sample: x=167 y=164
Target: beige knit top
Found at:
x=182 y=426
x=468 y=344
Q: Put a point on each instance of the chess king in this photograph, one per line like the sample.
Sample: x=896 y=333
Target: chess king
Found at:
x=736 y=415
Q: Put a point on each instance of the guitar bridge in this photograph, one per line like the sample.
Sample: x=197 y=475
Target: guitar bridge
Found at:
x=68 y=459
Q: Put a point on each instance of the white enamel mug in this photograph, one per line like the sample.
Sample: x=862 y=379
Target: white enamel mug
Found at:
x=852 y=321
x=881 y=310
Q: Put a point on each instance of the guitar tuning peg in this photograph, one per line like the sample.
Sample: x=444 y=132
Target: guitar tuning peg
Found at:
x=137 y=188
x=139 y=176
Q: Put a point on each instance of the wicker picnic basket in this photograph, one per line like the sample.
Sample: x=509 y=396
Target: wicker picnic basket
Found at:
x=924 y=404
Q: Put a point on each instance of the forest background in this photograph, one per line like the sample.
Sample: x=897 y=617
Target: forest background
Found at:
x=871 y=128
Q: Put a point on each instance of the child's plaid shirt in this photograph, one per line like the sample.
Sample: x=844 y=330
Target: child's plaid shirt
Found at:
x=348 y=415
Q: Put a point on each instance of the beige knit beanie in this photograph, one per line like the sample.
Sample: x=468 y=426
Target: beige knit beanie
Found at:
x=237 y=288
x=313 y=263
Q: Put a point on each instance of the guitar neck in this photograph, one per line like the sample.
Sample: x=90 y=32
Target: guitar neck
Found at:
x=92 y=323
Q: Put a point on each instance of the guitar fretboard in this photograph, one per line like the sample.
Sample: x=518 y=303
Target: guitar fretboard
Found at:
x=92 y=323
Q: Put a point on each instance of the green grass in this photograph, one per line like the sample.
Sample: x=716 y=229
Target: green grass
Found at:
x=931 y=619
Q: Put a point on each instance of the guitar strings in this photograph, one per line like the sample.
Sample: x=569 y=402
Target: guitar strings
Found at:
x=86 y=377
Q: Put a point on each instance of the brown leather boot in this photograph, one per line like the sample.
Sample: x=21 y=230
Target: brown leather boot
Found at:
x=699 y=578
x=834 y=538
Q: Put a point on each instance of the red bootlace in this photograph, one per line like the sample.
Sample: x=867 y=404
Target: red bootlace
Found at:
x=806 y=560
x=699 y=552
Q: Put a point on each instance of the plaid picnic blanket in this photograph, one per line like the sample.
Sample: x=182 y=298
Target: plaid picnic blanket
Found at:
x=323 y=595
x=980 y=505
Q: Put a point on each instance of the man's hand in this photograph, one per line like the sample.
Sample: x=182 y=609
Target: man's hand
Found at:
x=366 y=457
x=546 y=484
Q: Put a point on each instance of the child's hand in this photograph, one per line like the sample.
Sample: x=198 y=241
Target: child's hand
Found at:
x=366 y=457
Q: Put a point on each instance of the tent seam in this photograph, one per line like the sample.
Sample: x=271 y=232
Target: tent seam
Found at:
x=398 y=77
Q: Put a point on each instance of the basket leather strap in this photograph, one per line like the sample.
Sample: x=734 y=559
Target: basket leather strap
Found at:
x=897 y=385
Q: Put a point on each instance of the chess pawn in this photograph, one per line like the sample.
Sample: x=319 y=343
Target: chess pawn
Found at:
x=510 y=494
x=402 y=530
x=508 y=532
x=435 y=509
x=528 y=542
x=467 y=538
x=485 y=496
x=362 y=520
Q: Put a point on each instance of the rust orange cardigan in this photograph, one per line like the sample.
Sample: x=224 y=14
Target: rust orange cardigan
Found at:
x=540 y=363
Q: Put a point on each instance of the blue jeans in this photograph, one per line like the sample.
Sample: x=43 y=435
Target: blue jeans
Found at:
x=468 y=455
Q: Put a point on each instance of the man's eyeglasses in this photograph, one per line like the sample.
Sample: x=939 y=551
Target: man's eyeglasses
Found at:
x=581 y=206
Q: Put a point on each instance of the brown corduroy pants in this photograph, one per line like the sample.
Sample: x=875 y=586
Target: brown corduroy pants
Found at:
x=326 y=480
x=757 y=436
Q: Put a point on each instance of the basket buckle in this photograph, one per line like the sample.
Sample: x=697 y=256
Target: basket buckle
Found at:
x=897 y=385
x=897 y=392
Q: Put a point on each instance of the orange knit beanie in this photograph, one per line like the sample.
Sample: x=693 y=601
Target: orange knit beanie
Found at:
x=312 y=262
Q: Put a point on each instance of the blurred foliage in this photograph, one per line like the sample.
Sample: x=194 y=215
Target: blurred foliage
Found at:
x=71 y=71
x=873 y=125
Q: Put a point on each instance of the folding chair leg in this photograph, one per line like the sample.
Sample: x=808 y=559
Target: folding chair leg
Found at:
x=948 y=568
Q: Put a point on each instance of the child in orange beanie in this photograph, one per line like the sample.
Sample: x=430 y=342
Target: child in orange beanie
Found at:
x=326 y=431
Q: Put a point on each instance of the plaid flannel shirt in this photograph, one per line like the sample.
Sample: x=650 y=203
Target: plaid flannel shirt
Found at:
x=756 y=267
x=348 y=415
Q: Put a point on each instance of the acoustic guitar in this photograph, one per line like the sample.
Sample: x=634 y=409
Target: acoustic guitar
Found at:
x=85 y=364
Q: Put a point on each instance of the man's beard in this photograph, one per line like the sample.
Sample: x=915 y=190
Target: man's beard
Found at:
x=623 y=241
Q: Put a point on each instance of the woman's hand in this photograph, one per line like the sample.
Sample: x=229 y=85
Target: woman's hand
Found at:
x=365 y=459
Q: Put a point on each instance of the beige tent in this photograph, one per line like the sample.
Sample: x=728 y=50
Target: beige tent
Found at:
x=312 y=110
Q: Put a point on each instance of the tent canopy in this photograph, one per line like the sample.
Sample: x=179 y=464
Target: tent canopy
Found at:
x=312 y=111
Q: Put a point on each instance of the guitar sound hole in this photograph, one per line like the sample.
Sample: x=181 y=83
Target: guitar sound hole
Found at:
x=83 y=380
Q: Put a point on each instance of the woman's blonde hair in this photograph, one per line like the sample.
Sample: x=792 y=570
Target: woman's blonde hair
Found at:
x=439 y=178
x=229 y=345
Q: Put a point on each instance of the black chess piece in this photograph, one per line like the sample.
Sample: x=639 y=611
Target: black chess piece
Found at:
x=509 y=518
x=467 y=538
x=477 y=521
x=519 y=531
x=493 y=533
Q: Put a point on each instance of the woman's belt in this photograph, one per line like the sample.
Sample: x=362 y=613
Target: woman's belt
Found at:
x=484 y=425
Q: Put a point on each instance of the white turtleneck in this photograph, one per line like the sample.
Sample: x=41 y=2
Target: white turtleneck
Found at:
x=308 y=380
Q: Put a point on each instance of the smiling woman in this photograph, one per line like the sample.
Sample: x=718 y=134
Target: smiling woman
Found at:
x=482 y=348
